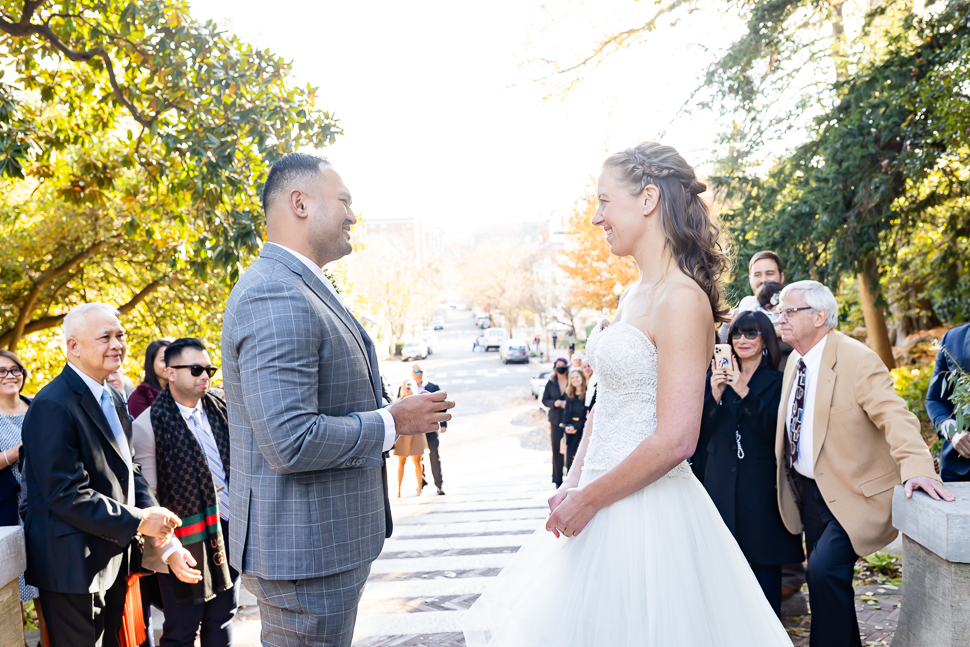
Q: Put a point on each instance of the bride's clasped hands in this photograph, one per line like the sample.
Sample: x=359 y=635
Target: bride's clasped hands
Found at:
x=570 y=509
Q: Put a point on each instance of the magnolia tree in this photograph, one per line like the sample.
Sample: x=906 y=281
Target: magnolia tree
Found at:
x=133 y=144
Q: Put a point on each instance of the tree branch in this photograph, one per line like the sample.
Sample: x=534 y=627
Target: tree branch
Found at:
x=27 y=306
x=50 y=321
x=617 y=41
x=25 y=28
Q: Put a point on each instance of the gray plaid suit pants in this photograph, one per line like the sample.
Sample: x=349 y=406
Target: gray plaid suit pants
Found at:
x=317 y=612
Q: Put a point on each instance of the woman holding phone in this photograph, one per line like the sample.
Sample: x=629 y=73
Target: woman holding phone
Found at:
x=737 y=447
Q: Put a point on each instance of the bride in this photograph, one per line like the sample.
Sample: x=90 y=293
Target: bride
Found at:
x=638 y=554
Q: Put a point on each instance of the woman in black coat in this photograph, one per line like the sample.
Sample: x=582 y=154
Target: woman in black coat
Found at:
x=574 y=414
x=738 y=434
x=554 y=399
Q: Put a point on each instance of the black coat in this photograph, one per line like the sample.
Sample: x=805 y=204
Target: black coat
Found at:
x=744 y=489
x=549 y=397
x=954 y=354
x=78 y=531
x=575 y=414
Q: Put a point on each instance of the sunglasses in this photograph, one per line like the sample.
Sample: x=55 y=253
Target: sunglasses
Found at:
x=750 y=335
x=417 y=372
x=197 y=370
x=15 y=371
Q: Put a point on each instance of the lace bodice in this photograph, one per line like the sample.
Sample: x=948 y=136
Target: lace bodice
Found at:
x=625 y=361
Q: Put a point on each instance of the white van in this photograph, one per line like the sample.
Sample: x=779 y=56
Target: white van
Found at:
x=494 y=338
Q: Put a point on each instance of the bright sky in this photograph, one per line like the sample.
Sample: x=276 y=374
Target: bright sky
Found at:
x=440 y=120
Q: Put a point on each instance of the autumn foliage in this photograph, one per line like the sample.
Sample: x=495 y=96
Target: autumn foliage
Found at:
x=586 y=259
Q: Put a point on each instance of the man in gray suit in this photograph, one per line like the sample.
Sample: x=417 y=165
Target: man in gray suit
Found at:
x=307 y=492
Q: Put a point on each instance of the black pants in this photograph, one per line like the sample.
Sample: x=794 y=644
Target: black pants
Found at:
x=572 y=446
x=831 y=559
x=769 y=577
x=557 y=458
x=435 y=459
x=212 y=620
x=89 y=619
x=151 y=596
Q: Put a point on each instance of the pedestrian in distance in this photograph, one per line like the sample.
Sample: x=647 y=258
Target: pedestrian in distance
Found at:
x=844 y=440
x=953 y=356
x=86 y=498
x=155 y=379
x=309 y=510
x=736 y=451
x=555 y=338
x=417 y=373
x=13 y=410
x=182 y=444
x=573 y=415
x=554 y=399
x=409 y=446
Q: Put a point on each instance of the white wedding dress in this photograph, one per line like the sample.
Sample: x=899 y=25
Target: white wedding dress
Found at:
x=656 y=569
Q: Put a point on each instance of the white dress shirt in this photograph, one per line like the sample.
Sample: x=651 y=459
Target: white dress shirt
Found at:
x=805 y=465
x=390 y=431
x=98 y=391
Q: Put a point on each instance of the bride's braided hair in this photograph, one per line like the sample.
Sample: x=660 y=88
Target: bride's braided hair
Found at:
x=692 y=233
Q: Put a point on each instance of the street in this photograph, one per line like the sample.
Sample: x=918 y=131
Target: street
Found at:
x=445 y=549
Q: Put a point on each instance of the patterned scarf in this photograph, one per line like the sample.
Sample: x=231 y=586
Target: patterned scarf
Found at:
x=185 y=487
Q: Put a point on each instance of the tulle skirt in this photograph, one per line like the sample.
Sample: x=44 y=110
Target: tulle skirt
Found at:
x=658 y=568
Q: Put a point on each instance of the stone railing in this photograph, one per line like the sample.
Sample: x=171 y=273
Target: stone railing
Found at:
x=935 y=608
x=13 y=562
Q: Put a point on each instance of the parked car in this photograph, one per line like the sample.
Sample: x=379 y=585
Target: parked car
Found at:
x=513 y=350
x=494 y=338
x=482 y=320
x=414 y=349
x=539 y=384
x=438 y=323
x=429 y=337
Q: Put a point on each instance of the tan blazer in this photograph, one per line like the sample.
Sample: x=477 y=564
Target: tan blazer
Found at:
x=866 y=440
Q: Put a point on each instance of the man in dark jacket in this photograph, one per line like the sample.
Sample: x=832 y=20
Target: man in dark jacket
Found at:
x=954 y=354
x=87 y=500
x=430 y=387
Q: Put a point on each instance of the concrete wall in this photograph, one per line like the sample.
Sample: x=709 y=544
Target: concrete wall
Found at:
x=13 y=562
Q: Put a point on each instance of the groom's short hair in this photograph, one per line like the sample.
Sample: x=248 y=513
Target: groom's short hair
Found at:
x=289 y=170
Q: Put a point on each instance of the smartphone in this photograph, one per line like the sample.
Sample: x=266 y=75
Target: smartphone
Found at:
x=722 y=357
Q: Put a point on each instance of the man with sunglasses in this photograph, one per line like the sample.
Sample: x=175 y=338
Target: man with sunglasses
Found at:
x=844 y=439
x=182 y=443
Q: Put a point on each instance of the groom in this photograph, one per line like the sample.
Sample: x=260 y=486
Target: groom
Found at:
x=308 y=497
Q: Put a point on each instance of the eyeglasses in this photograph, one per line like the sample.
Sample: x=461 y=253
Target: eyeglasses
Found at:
x=16 y=371
x=750 y=335
x=788 y=312
x=418 y=372
x=198 y=370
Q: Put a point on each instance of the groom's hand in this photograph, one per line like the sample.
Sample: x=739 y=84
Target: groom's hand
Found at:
x=420 y=414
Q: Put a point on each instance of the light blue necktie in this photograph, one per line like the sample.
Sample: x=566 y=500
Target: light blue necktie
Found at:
x=111 y=413
x=208 y=443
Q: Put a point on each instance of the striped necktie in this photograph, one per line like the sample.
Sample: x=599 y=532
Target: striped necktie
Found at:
x=208 y=443
x=797 y=413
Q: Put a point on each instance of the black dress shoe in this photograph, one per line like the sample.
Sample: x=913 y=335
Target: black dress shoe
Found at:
x=441 y=492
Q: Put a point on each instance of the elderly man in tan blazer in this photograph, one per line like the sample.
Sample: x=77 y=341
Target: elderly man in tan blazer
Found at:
x=844 y=439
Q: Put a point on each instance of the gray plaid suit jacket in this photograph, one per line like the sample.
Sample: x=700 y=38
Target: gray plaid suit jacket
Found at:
x=302 y=387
